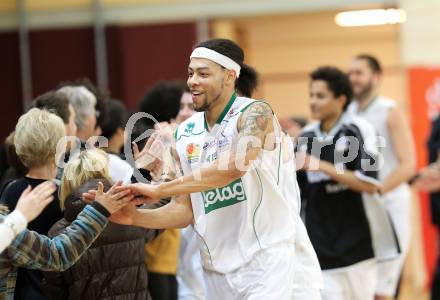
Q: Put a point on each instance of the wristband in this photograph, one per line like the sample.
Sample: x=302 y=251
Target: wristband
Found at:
x=16 y=221
x=99 y=207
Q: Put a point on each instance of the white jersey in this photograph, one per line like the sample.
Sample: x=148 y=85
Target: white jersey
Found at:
x=398 y=201
x=377 y=114
x=255 y=212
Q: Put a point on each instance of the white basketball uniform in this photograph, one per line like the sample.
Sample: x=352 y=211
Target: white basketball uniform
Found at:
x=252 y=240
x=397 y=201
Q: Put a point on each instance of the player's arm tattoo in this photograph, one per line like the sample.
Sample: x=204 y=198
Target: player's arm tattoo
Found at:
x=256 y=121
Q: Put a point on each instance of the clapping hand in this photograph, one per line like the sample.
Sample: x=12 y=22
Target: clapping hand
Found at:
x=150 y=156
x=33 y=202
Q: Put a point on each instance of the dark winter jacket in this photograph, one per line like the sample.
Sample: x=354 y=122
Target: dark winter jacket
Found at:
x=112 y=268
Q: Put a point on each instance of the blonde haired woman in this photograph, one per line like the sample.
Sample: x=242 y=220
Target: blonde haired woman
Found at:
x=36 y=136
x=114 y=265
x=29 y=206
x=81 y=168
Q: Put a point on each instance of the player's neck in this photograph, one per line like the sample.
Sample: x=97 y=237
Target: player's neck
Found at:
x=365 y=101
x=327 y=124
x=217 y=108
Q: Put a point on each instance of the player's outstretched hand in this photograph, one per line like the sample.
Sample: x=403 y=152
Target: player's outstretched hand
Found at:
x=125 y=215
x=147 y=193
x=32 y=202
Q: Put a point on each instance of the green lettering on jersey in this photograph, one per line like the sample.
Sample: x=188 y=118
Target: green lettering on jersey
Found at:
x=228 y=195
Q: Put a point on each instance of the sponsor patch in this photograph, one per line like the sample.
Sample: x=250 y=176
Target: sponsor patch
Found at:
x=192 y=152
x=209 y=144
x=228 y=195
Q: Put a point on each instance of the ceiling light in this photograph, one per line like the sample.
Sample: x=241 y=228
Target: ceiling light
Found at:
x=370 y=17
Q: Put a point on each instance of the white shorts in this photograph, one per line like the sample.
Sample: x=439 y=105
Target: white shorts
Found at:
x=190 y=276
x=388 y=276
x=268 y=276
x=356 y=282
x=398 y=205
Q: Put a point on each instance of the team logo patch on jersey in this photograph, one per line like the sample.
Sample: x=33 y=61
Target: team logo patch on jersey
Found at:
x=229 y=195
x=190 y=127
x=192 y=153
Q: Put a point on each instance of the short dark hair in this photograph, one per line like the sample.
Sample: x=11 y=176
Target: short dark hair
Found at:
x=139 y=128
x=247 y=82
x=117 y=118
x=372 y=61
x=54 y=102
x=337 y=81
x=162 y=101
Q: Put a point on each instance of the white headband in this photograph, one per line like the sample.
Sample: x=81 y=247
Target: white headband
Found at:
x=222 y=60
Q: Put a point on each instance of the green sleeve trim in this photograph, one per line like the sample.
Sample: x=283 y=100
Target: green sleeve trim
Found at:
x=227 y=108
x=258 y=206
x=175 y=133
x=279 y=162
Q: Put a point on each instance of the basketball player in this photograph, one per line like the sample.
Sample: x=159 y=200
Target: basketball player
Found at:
x=399 y=160
x=238 y=187
x=335 y=215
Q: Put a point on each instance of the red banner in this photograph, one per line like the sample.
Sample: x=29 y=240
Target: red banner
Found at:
x=424 y=101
